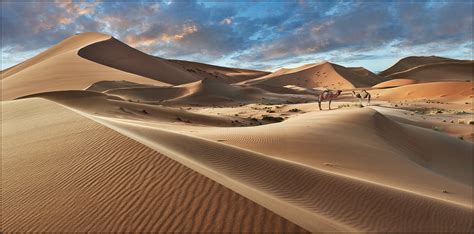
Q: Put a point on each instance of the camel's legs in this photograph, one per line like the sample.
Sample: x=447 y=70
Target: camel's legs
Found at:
x=319 y=104
x=330 y=103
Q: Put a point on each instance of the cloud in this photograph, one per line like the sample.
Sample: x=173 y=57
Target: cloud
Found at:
x=33 y=25
x=227 y=20
x=252 y=34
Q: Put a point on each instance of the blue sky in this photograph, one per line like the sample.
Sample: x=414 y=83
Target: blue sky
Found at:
x=252 y=34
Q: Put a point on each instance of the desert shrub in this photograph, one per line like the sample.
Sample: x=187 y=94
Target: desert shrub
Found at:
x=461 y=137
x=343 y=105
x=295 y=110
x=272 y=118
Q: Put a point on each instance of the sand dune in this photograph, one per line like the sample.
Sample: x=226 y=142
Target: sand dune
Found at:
x=107 y=85
x=77 y=175
x=116 y=54
x=415 y=61
x=364 y=72
x=228 y=75
x=213 y=91
x=447 y=91
x=326 y=75
x=388 y=152
x=395 y=83
x=112 y=106
x=62 y=69
x=448 y=71
x=72 y=43
x=149 y=94
x=318 y=200
x=209 y=91
x=87 y=58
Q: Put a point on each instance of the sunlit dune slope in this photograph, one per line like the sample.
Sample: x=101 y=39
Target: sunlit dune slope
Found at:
x=446 y=91
x=375 y=175
x=62 y=172
x=325 y=75
x=60 y=68
x=395 y=83
x=449 y=71
x=432 y=68
x=415 y=61
x=72 y=43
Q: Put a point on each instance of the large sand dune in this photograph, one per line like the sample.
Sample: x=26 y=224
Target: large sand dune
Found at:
x=448 y=71
x=328 y=199
x=76 y=175
x=114 y=53
x=326 y=75
x=446 y=91
x=62 y=69
x=415 y=61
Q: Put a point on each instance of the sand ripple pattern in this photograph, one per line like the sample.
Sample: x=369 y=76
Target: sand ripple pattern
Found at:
x=353 y=204
x=72 y=174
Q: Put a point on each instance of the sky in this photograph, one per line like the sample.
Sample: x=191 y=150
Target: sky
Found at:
x=249 y=34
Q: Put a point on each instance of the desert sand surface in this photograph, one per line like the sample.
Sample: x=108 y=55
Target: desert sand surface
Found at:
x=323 y=74
x=171 y=145
x=61 y=68
x=428 y=69
x=77 y=175
x=416 y=61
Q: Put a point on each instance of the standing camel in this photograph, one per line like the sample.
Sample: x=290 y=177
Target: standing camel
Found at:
x=362 y=95
x=328 y=95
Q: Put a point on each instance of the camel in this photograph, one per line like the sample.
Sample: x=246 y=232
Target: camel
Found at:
x=328 y=95
x=362 y=95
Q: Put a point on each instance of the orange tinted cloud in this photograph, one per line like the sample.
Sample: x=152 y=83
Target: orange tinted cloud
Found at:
x=68 y=12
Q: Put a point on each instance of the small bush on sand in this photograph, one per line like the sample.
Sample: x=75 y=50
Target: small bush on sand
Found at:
x=461 y=137
x=461 y=121
x=272 y=118
x=295 y=110
x=343 y=105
